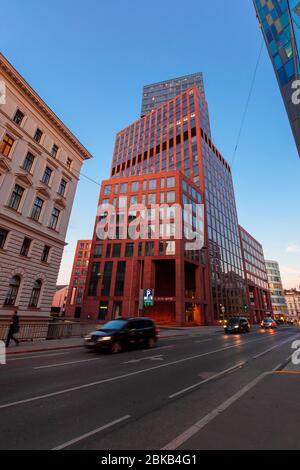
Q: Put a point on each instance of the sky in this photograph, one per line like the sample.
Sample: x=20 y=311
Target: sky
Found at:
x=89 y=61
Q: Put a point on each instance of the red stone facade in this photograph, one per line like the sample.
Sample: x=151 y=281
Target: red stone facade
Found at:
x=78 y=279
x=120 y=270
x=259 y=297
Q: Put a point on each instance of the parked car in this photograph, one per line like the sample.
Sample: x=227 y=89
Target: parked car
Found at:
x=237 y=325
x=268 y=324
x=123 y=333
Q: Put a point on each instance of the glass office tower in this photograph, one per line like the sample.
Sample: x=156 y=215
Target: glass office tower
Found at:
x=280 y=24
x=175 y=139
x=155 y=94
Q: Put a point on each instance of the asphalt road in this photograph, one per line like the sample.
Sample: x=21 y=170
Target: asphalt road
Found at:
x=189 y=392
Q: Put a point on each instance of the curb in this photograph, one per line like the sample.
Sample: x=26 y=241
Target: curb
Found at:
x=61 y=348
x=56 y=348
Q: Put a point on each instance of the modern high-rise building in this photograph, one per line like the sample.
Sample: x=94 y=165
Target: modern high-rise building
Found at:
x=168 y=157
x=40 y=162
x=156 y=94
x=280 y=24
x=78 y=279
x=277 y=294
x=259 y=298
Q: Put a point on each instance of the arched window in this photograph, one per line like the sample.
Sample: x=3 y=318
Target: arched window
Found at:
x=35 y=294
x=13 y=290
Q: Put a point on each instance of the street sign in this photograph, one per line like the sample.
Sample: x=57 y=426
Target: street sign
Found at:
x=148 y=297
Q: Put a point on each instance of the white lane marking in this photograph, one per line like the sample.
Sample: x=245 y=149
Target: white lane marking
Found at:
x=275 y=347
x=49 y=366
x=199 y=425
x=34 y=357
x=92 y=433
x=113 y=379
x=223 y=372
x=150 y=358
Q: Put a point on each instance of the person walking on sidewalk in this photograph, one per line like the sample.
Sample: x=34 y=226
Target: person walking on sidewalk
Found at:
x=13 y=329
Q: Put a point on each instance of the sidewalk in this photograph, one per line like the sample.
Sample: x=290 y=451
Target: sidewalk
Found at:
x=72 y=343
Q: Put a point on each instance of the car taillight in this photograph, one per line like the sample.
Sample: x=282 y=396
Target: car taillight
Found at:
x=157 y=330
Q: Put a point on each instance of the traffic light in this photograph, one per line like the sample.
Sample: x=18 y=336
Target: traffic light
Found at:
x=246 y=308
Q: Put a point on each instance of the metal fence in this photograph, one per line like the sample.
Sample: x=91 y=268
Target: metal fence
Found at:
x=50 y=330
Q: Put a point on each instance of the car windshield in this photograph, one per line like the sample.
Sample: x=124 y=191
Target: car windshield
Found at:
x=113 y=325
x=233 y=321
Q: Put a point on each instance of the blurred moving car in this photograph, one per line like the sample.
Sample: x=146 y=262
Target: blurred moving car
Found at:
x=268 y=324
x=123 y=333
x=237 y=325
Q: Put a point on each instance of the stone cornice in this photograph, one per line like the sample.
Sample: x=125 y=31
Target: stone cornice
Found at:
x=41 y=234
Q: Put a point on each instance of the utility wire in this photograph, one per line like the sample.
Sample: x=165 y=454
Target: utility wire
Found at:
x=242 y=121
x=247 y=104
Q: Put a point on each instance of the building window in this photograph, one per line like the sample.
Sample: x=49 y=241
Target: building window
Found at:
x=25 y=247
x=69 y=163
x=107 y=275
x=37 y=209
x=79 y=295
x=3 y=237
x=134 y=187
x=18 y=117
x=152 y=198
x=35 y=294
x=62 y=187
x=134 y=200
x=171 y=196
x=95 y=276
x=116 y=252
x=45 y=254
x=6 y=145
x=120 y=278
x=171 y=182
x=13 y=290
x=28 y=162
x=38 y=135
x=140 y=250
x=123 y=188
x=54 y=151
x=98 y=250
x=170 y=248
x=129 y=250
x=149 y=249
x=152 y=184
x=107 y=190
x=47 y=176
x=16 y=197
x=54 y=218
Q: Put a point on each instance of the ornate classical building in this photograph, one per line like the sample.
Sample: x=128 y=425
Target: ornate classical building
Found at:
x=40 y=162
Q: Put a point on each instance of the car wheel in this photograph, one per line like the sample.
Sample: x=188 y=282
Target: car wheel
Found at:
x=151 y=342
x=116 y=347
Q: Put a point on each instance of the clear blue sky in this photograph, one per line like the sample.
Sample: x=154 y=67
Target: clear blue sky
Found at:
x=89 y=60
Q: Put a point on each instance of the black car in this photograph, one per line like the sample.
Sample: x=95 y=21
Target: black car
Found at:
x=123 y=333
x=237 y=325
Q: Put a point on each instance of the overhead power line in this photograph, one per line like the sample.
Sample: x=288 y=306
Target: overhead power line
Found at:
x=247 y=103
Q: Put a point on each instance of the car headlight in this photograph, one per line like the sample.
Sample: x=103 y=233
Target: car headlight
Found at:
x=236 y=327
x=105 y=338
x=87 y=338
x=225 y=326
